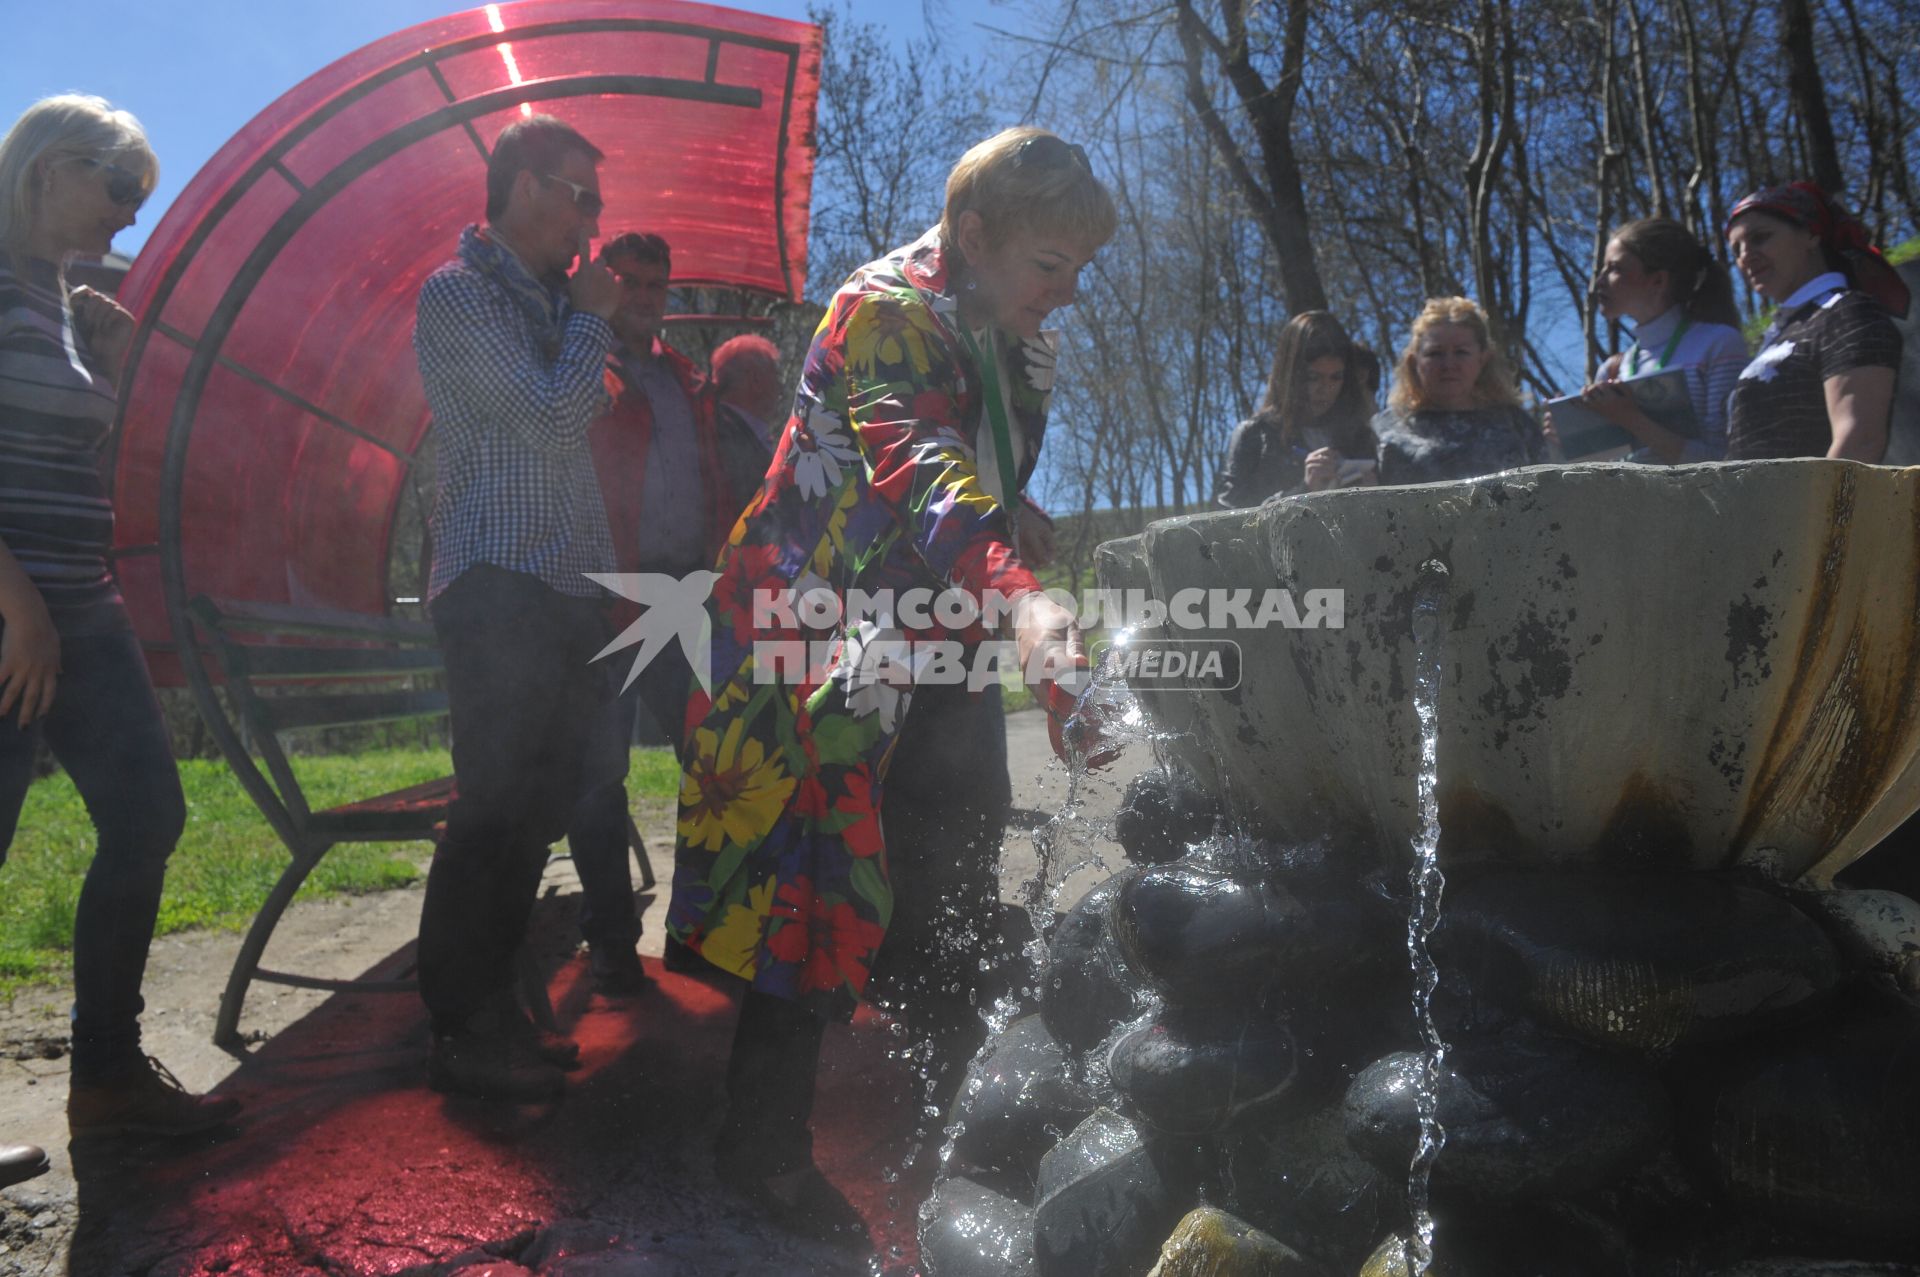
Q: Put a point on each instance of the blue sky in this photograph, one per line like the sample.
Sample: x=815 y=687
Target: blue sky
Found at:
x=196 y=72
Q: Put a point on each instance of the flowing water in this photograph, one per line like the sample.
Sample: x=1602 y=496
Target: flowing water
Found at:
x=1428 y=884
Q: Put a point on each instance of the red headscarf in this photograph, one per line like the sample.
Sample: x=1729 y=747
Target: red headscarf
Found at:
x=1840 y=232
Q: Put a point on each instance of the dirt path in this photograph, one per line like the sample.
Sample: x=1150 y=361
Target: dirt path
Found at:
x=345 y=937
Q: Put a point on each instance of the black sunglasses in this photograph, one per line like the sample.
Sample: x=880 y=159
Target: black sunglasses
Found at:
x=1048 y=149
x=124 y=187
x=586 y=200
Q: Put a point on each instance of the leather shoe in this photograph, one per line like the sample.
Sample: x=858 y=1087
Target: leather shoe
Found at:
x=21 y=1162
x=803 y=1202
x=617 y=971
x=491 y=1065
x=145 y=1099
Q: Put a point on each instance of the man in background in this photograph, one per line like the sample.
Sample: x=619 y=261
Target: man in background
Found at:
x=670 y=506
x=749 y=412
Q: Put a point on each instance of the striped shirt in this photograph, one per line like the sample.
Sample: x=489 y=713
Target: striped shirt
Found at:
x=1711 y=355
x=56 y=412
x=513 y=378
x=1779 y=405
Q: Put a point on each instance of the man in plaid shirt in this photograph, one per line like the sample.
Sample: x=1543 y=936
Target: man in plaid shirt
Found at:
x=511 y=351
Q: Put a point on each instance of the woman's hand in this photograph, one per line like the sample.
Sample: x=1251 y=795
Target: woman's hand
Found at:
x=1612 y=400
x=105 y=325
x=1322 y=469
x=29 y=661
x=1054 y=664
x=1048 y=638
x=1038 y=546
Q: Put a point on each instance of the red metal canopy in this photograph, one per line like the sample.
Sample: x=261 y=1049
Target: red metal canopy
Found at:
x=272 y=406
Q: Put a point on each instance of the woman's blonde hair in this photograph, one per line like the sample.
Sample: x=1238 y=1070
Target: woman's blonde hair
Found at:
x=1026 y=178
x=1495 y=386
x=67 y=125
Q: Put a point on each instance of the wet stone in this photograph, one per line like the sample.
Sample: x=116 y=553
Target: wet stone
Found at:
x=1641 y=962
x=1300 y=1179
x=1526 y=1116
x=1162 y=813
x=1209 y=1242
x=1550 y=1241
x=1088 y=987
x=968 y=1230
x=1804 y=1267
x=1017 y=1100
x=1193 y=1071
x=1203 y=936
x=1105 y=1205
x=1815 y=1131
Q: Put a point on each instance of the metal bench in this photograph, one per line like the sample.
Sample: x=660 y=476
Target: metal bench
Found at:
x=290 y=669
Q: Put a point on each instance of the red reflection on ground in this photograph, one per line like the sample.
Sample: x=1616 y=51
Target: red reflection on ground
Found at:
x=348 y=1162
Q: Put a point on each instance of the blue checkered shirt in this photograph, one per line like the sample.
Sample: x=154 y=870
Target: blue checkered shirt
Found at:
x=513 y=378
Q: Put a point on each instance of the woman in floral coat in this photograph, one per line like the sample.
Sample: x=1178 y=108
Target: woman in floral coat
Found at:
x=919 y=416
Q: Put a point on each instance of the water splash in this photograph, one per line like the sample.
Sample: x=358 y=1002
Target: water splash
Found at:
x=1428 y=884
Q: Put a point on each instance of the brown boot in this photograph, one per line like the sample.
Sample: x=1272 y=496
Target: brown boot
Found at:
x=144 y=1100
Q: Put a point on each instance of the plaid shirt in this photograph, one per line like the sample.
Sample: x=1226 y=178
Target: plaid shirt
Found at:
x=513 y=377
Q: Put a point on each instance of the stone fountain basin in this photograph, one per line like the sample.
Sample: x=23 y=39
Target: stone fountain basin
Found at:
x=1699 y=667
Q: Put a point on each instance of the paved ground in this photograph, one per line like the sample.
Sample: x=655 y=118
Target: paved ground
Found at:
x=349 y=1164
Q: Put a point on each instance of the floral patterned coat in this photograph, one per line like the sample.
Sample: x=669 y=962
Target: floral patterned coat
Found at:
x=780 y=870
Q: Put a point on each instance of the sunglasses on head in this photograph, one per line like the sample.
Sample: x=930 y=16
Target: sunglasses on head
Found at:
x=1048 y=149
x=124 y=187
x=588 y=201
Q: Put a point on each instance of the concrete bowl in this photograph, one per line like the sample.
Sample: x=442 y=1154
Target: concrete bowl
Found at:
x=1699 y=667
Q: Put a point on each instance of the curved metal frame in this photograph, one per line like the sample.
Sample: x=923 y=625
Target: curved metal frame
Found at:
x=310 y=199
x=206 y=347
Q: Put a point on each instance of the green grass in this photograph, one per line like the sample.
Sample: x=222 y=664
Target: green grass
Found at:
x=229 y=856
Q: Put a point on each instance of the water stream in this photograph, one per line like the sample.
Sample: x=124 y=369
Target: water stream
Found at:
x=1428 y=883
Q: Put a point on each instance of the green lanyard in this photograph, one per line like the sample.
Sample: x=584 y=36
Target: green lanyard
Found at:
x=997 y=418
x=1666 y=352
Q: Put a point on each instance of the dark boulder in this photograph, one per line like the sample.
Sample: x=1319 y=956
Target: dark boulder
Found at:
x=1526 y=1116
x=1202 y=936
x=1088 y=987
x=1191 y=1072
x=1162 y=813
x=968 y=1230
x=1105 y=1204
x=1815 y=1131
x=1641 y=962
x=1017 y=1100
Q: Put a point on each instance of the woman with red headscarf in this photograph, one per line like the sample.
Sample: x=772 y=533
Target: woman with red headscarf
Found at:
x=1822 y=383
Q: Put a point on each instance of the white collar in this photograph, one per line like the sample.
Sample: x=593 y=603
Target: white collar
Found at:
x=1659 y=328
x=1818 y=286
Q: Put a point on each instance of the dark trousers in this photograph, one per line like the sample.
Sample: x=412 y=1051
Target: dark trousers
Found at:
x=105 y=729
x=597 y=835
x=944 y=812
x=523 y=698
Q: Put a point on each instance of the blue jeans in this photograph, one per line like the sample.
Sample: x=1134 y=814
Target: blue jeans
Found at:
x=105 y=729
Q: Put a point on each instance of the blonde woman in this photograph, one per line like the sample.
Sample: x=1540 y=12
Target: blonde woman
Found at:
x=1454 y=412
x=73 y=173
x=915 y=426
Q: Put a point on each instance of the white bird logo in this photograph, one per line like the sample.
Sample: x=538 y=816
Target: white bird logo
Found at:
x=675 y=607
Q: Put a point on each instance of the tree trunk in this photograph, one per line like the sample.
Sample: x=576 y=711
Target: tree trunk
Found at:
x=1809 y=96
